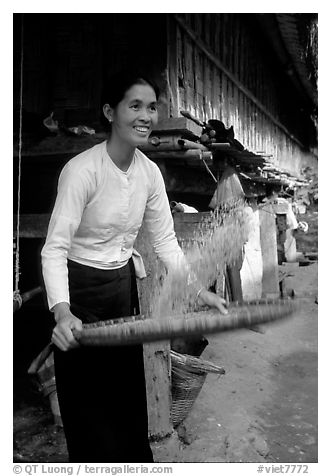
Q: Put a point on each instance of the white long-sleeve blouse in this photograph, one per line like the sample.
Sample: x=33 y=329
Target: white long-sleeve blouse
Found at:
x=97 y=215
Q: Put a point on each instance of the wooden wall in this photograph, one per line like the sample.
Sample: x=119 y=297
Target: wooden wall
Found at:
x=68 y=56
x=214 y=65
x=220 y=67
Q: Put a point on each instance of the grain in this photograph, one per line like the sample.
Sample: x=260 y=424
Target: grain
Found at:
x=217 y=242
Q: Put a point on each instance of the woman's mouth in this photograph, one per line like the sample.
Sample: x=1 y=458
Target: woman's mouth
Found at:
x=142 y=129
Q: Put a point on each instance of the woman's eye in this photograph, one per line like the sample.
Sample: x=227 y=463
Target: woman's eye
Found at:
x=153 y=108
x=135 y=107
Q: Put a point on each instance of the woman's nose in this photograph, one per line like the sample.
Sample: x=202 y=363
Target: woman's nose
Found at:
x=145 y=115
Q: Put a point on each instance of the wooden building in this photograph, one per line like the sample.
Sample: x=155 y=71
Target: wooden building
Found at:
x=246 y=70
x=234 y=67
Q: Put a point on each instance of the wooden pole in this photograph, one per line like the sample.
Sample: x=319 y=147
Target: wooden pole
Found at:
x=164 y=440
x=268 y=239
x=190 y=154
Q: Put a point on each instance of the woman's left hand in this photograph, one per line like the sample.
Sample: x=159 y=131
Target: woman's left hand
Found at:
x=213 y=300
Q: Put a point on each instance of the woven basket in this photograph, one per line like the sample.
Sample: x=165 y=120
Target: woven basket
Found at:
x=188 y=375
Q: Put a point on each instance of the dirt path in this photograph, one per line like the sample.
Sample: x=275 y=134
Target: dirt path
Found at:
x=265 y=407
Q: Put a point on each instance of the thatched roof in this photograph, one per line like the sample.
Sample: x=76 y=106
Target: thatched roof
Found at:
x=293 y=37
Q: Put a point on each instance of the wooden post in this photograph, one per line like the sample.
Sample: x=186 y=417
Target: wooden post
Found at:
x=172 y=67
x=268 y=237
x=164 y=440
x=165 y=443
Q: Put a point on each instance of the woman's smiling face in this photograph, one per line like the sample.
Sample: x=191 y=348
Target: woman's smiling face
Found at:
x=135 y=115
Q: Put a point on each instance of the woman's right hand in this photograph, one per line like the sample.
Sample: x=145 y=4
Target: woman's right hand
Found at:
x=66 y=322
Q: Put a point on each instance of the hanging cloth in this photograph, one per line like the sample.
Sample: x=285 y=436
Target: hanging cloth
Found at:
x=228 y=190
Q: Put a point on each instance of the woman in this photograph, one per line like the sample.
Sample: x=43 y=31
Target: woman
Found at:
x=104 y=195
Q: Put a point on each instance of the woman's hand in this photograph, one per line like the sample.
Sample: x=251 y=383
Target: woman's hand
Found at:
x=66 y=322
x=212 y=300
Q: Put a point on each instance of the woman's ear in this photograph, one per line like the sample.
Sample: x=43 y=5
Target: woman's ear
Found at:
x=108 y=112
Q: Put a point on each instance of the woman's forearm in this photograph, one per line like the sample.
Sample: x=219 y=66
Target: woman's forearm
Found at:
x=61 y=310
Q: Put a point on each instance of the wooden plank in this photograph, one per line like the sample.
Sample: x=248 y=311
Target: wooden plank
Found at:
x=263 y=134
x=181 y=67
x=251 y=124
x=236 y=110
x=190 y=155
x=228 y=102
x=187 y=223
x=242 y=123
x=192 y=77
x=211 y=27
x=254 y=127
x=226 y=41
x=198 y=24
x=221 y=39
x=217 y=82
x=224 y=100
x=32 y=225
x=208 y=26
x=208 y=89
x=172 y=67
x=258 y=131
x=178 y=124
x=247 y=124
x=241 y=51
x=233 y=44
x=236 y=51
x=234 y=60
x=189 y=19
x=158 y=385
x=60 y=144
x=256 y=78
x=198 y=81
x=217 y=34
x=231 y=102
x=187 y=66
x=157 y=363
x=246 y=128
x=157 y=357
x=215 y=93
x=250 y=66
x=163 y=141
x=246 y=58
x=224 y=105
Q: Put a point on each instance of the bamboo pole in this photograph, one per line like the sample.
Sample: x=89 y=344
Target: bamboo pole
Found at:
x=190 y=154
x=188 y=144
x=221 y=146
x=162 y=142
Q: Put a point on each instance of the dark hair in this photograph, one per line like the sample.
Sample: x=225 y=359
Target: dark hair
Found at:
x=115 y=87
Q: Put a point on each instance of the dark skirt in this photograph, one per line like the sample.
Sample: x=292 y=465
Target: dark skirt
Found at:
x=101 y=390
